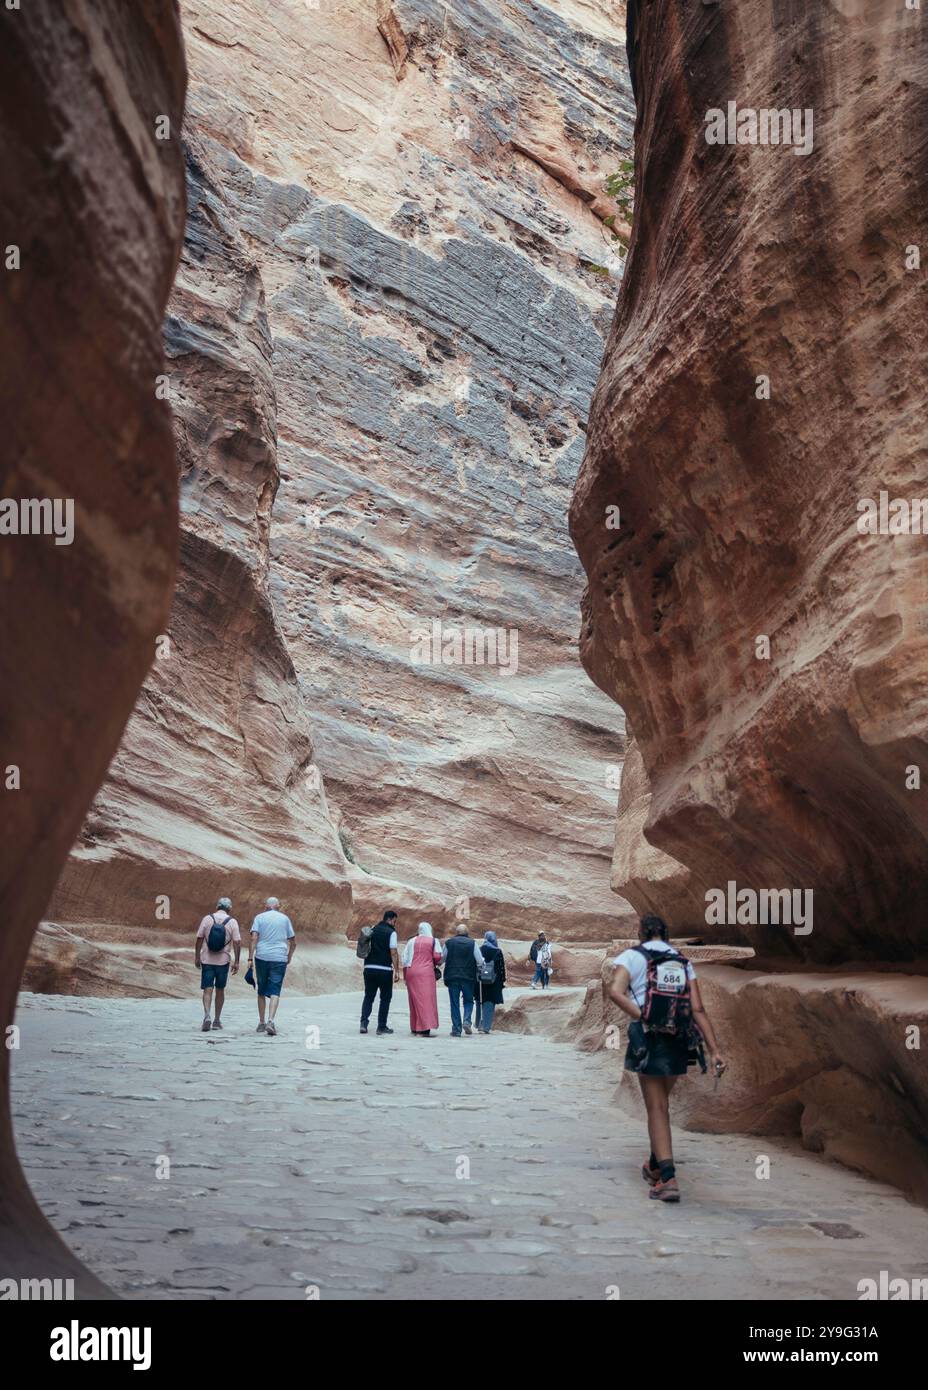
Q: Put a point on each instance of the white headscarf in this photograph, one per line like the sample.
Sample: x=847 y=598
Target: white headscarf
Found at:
x=425 y=929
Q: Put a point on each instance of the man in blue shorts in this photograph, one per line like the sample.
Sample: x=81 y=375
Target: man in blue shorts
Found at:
x=215 y=935
x=273 y=942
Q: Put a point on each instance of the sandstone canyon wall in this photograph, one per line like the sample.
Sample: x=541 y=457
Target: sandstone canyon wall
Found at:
x=739 y=513
x=94 y=202
x=214 y=788
x=739 y=521
x=389 y=318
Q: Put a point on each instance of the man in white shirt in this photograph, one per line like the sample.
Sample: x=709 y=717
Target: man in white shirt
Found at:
x=273 y=942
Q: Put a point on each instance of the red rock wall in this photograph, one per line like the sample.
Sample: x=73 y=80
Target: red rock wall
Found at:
x=739 y=514
x=95 y=203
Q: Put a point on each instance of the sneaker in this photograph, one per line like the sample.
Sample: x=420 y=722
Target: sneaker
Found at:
x=271 y=1030
x=467 y=1029
x=381 y=1031
x=665 y=1191
x=261 y=1028
x=363 y=1027
x=533 y=986
x=217 y=1024
x=455 y=1035
x=206 y=1025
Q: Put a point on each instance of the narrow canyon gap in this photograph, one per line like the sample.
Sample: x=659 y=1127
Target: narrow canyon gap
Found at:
x=390 y=312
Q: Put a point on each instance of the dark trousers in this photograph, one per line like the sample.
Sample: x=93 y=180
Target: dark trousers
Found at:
x=375 y=979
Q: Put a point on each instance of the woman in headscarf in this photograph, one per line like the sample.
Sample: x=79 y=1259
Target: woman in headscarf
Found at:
x=421 y=959
x=489 y=991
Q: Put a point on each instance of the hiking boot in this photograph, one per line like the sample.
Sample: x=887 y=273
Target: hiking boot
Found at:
x=272 y=1030
x=217 y=1024
x=381 y=1031
x=665 y=1191
x=261 y=1028
x=363 y=1027
x=206 y=1026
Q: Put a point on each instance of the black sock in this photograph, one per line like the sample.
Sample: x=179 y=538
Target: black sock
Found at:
x=652 y=1162
x=668 y=1171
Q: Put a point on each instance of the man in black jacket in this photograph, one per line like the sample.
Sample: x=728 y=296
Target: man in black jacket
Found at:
x=461 y=956
x=381 y=972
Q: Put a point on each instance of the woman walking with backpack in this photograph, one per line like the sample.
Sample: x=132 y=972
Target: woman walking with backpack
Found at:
x=657 y=988
x=421 y=959
x=491 y=976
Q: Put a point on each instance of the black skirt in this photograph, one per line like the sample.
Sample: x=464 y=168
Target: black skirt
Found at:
x=656 y=1054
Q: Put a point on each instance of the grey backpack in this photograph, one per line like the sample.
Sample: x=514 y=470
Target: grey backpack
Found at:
x=363 y=949
x=486 y=971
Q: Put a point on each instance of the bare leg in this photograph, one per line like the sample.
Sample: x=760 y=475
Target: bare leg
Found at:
x=273 y=1002
x=207 y=1000
x=656 y=1093
x=220 y=1000
x=261 y=1003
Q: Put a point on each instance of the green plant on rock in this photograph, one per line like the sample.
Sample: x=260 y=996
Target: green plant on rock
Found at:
x=620 y=187
x=348 y=851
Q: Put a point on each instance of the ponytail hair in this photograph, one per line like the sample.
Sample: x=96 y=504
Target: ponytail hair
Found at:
x=653 y=926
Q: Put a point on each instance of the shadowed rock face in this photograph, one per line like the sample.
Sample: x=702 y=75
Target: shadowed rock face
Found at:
x=95 y=204
x=213 y=789
x=739 y=514
x=437 y=327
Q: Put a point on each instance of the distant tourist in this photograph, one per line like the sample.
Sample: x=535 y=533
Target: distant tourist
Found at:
x=273 y=942
x=461 y=957
x=657 y=988
x=381 y=971
x=215 y=934
x=421 y=959
x=491 y=977
x=542 y=956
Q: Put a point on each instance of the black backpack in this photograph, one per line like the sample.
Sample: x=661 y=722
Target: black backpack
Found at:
x=486 y=971
x=216 y=936
x=668 y=1005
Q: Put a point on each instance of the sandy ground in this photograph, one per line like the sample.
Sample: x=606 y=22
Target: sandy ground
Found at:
x=399 y=1167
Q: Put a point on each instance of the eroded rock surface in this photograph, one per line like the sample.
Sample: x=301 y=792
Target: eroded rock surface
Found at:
x=739 y=514
x=421 y=196
x=214 y=788
x=739 y=522
x=94 y=202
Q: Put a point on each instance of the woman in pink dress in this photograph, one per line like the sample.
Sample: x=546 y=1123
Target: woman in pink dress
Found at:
x=421 y=956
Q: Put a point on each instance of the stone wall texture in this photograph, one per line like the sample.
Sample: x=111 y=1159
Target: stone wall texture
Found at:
x=739 y=521
x=95 y=204
x=739 y=514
